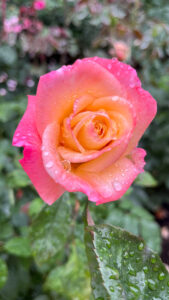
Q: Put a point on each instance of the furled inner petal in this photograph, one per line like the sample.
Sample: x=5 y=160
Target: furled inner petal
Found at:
x=95 y=131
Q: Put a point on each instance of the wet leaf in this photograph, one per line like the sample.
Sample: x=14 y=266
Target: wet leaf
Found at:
x=18 y=246
x=145 y=179
x=51 y=229
x=74 y=275
x=122 y=267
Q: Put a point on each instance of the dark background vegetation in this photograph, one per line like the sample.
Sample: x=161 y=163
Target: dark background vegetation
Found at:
x=41 y=248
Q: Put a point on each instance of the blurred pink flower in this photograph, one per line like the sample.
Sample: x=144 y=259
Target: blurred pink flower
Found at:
x=12 y=25
x=121 y=50
x=39 y=5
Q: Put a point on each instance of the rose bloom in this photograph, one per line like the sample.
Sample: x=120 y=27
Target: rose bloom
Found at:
x=121 y=50
x=39 y=5
x=81 y=130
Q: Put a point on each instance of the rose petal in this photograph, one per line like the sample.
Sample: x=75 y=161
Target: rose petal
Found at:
x=114 y=181
x=32 y=164
x=26 y=133
x=58 y=90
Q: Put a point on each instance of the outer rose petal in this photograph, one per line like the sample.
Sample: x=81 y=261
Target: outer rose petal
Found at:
x=114 y=181
x=26 y=135
x=58 y=90
x=32 y=164
x=144 y=104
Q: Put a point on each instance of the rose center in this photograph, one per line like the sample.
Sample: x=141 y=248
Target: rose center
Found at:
x=100 y=128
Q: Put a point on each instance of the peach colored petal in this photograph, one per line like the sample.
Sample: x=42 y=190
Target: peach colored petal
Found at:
x=58 y=90
x=77 y=157
x=88 y=136
x=67 y=137
x=118 y=105
x=81 y=103
x=26 y=133
x=114 y=181
x=32 y=164
x=55 y=166
x=144 y=104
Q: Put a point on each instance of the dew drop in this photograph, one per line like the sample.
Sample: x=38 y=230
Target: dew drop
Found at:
x=155 y=269
x=111 y=288
x=108 y=244
x=49 y=164
x=126 y=255
x=29 y=134
x=115 y=274
x=23 y=137
x=131 y=253
x=134 y=289
x=145 y=269
x=153 y=259
x=109 y=66
x=46 y=153
x=117 y=186
x=131 y=271
x=43 y=148
x=17 y=134
x=138 y=259
x=161 y=276
x=141 y=246
x=152 y=285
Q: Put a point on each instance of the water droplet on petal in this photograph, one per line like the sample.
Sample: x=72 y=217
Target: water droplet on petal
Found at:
x=49 y=164
x=109 y=66
x=17 y=134
x=117 y=186
x=46 y=153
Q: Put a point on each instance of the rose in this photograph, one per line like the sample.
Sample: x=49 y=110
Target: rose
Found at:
x=39 y=5
x=80 y=132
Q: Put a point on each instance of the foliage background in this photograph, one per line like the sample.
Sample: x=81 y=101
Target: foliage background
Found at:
x=42 y=253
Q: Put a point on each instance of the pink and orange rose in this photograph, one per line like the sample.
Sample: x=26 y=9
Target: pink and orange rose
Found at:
x=81 y=130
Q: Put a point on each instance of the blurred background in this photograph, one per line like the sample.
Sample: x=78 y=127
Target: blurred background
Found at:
x=42 y=254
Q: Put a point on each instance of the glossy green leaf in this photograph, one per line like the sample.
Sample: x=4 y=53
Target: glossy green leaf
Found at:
x=145 y=179
x=50 y=230
x=18 y=246
x=122 y=267
x=74 y=275
x=133 y=218
x=3 y=273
